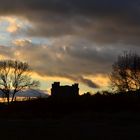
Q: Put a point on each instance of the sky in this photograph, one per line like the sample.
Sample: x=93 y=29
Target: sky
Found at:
x=69 y=40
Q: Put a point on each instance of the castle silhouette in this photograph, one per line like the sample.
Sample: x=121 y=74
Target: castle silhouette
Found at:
x=64 y=91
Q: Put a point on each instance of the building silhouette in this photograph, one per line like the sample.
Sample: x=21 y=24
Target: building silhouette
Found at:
x=64 y=91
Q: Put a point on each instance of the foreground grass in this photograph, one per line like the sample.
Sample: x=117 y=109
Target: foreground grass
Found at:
x=88 y=118
x=77 y=126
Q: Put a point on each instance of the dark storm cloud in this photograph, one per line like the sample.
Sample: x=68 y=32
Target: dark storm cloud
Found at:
x=103 y=21
x=88 y=34
x=74 y=61
x=48 y=63
x=86 y=81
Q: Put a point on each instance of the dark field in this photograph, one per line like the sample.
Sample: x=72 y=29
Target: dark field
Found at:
x=86 y=126
x=84 y=118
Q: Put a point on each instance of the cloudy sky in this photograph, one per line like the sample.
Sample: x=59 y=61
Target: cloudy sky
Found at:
x=69 y=40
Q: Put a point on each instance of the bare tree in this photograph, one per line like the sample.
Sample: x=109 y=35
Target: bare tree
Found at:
x=125 y=75
x=15 y=76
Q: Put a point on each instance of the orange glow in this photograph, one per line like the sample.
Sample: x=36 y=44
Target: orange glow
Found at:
x=49 y=78
x=100 y=79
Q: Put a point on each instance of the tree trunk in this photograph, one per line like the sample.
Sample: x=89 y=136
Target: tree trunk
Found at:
x=8 y=100
x=13 y=96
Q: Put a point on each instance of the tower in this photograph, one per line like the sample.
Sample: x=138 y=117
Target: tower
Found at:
x=64 y=91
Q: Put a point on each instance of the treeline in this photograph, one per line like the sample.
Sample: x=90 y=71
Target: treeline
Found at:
x=51 y=107
x=125 y=96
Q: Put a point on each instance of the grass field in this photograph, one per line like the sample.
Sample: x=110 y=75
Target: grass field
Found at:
x=83 y=126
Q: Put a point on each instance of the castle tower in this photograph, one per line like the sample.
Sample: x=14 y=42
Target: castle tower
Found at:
x=64 y=91
x=55 y=87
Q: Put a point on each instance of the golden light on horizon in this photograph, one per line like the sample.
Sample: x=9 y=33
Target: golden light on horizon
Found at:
x=21 y=50
x=102 y=80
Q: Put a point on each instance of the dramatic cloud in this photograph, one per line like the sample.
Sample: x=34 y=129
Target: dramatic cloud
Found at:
x=21 y=42
x=73 y=61
x=84 y=37
x=56 y=61
x=102 y=21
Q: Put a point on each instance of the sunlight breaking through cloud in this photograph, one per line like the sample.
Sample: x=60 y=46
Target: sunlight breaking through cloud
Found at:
x=77 y=40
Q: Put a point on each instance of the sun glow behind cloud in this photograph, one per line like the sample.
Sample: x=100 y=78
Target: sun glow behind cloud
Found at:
x=22 y=50
x=21 y=42
x=52 y=59
x=46 y=82
x=69 y=40
x=12 y=24
x=12 y=28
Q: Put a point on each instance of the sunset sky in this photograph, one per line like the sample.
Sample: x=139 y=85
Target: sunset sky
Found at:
x=69 y=40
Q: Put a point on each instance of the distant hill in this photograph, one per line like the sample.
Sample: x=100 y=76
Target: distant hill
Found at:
x=31 y=93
